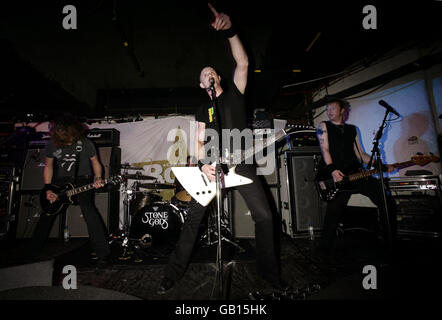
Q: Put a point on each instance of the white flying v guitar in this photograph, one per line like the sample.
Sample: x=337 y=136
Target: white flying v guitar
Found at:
x=203 y=190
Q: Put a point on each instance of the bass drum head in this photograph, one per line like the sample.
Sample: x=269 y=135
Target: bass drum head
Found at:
x=142 y=199
x=158 y=223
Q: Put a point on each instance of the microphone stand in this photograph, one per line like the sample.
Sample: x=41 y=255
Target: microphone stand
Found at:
x=378 y=164
x=218 y=173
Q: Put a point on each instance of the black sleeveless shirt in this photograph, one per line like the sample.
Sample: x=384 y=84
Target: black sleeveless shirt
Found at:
x=341 y=141
x=229 y=113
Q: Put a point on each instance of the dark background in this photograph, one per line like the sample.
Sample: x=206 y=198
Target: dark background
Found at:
x=46 y=69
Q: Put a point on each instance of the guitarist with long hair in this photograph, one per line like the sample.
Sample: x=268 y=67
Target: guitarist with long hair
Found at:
x=342 y=154
x=71 y=158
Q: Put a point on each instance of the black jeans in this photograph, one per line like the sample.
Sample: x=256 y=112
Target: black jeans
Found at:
x=94 y=222
x=255 y=198
x=335 y=208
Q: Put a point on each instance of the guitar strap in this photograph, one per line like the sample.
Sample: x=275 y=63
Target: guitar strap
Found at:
x=359 y=151
x=78 y=149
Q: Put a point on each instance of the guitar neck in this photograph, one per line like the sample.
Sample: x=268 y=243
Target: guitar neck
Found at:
x=261 y=146
x=365 y=174
x=81 y=189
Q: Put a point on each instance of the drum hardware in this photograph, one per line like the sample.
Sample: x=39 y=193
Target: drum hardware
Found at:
x=123 y=234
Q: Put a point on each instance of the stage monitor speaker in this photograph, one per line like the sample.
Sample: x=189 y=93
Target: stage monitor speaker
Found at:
x=28 y=216
x=32 y=173
x=301 y=206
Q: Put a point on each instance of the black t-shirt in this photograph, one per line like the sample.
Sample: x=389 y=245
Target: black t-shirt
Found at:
x=229 y=112
x=341 y=141
x=65 y=158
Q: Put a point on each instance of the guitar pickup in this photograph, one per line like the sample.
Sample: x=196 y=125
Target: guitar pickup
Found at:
x=204 y=179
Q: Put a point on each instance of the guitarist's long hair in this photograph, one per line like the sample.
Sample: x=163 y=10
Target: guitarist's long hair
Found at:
x=66 y=130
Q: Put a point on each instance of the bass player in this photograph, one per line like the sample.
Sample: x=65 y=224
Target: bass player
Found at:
x=342 y=154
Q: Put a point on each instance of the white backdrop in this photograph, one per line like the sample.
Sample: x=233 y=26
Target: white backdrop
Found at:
x=155 y=145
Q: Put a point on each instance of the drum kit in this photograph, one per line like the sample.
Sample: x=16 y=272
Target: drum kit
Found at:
x=149 y=220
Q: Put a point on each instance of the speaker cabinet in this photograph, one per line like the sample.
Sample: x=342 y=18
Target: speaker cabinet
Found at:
x=107 y=205
x=301 y=206
x=242 y=223
x=76 y=223
x=28 y=216
x=32 y=173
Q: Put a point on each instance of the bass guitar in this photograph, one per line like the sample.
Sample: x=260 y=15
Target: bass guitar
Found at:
x=66 y=193
x=328 y=189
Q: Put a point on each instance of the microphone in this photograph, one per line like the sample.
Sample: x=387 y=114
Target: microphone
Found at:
x=388 y=107
x=212 y=82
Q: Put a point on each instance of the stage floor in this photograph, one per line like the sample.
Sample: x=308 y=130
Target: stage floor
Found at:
x=412 y=272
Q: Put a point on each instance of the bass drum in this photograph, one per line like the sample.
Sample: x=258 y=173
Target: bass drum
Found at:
x=158 y=223
x=142 y=199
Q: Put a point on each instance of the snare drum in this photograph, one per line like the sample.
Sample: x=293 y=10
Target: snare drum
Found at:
x=182 y=200
x=160 y=221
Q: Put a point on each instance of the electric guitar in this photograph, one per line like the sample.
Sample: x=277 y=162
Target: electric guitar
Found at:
x=328 y=189
x=196 y=183
x=65 y=194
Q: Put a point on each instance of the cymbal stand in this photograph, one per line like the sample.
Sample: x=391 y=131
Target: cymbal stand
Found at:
x=123 y=234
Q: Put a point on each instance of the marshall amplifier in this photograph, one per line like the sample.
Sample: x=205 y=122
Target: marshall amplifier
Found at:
x=40 y=140
x=104 y=137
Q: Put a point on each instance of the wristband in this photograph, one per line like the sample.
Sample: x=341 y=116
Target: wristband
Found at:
x=330 y=168
x=229 y=33
x=200 y=164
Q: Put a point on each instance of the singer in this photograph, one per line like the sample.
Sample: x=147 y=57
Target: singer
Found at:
x=228 y=113
x=342 y=153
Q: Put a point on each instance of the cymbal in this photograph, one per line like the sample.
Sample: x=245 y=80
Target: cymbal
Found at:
x=156 y=186
x=138 y=177
x=127 y=167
